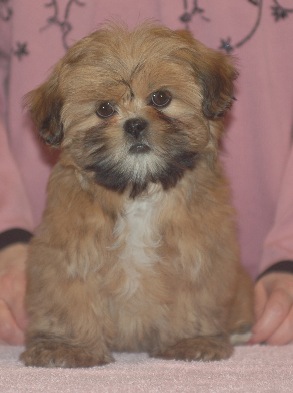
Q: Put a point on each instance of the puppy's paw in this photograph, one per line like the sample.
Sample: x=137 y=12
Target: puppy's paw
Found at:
x=199 y=348
x=57 y=354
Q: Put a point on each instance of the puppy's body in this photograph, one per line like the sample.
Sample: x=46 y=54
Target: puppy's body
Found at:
x=137 y=249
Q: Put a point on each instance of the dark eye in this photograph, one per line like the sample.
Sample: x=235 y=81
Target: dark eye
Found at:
x=105 y=109
x=161 y=98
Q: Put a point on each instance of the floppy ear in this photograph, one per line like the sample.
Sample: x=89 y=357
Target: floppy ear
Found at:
x=215 y=72
x=44 y=104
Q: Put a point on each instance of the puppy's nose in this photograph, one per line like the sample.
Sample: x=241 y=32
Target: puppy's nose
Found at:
x=135 y=126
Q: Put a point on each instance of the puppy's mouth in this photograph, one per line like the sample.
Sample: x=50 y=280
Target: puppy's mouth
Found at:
x=139 y=148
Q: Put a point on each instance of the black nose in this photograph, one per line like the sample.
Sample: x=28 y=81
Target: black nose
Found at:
x=135 y=126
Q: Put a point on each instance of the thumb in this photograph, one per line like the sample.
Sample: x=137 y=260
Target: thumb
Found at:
x=260 y=299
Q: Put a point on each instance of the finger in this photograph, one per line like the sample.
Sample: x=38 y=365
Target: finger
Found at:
x=260 y=299
x=15 y=301
x=10 y=333
x=20 y=318
x=18 y=311
x=284 y=334
x=276 y=310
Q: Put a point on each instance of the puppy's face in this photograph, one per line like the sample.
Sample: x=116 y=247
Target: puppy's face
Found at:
x=134 y=108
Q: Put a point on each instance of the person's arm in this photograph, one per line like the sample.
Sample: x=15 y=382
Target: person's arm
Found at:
x=15 y=217
x=274 y=287
x=15 y=221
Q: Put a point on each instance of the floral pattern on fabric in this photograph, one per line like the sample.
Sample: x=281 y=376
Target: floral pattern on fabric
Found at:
x=195 y=8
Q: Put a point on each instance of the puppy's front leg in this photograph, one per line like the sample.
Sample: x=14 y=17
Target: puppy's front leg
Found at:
x=204 y=348
x=66 y=315
x=49 y=351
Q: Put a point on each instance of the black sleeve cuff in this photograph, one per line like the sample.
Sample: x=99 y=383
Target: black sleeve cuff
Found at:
x=15 y=235
x=279 y=267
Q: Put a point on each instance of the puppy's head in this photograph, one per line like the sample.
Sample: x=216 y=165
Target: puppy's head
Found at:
x=134 y=108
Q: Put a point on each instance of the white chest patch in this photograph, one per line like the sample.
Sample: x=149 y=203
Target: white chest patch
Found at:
x=137 y=238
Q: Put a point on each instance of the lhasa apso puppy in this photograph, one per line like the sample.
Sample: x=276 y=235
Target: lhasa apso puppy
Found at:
x=137 y=248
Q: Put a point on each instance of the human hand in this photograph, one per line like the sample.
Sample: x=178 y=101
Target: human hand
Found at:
x=273 y=309
x=12 y=291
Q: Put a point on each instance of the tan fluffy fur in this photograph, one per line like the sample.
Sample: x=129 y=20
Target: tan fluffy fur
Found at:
x=136 y=252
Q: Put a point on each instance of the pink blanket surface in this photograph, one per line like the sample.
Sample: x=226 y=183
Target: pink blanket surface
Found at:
x=250 y=370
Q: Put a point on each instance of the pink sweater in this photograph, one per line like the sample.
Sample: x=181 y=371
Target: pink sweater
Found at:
x=258 y=151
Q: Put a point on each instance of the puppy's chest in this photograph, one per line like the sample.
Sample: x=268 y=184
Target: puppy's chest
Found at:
x=137 y=240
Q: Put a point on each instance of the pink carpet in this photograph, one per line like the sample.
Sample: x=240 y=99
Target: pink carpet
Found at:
x=250 y=370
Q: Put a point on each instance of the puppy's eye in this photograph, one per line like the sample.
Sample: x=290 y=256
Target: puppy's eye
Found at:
x=161 y=98
x=105 y=109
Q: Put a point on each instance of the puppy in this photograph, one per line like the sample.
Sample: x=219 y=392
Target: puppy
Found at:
x=137 y=249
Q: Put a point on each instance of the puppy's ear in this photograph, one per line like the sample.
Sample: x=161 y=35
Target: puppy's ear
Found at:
x=44 y=104
x=215 y=72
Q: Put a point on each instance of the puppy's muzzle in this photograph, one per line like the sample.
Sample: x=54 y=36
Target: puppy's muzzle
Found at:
x=137 y=127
